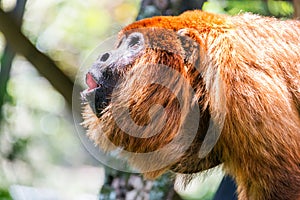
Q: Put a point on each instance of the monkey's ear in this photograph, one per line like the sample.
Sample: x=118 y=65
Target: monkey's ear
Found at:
x=190 y=46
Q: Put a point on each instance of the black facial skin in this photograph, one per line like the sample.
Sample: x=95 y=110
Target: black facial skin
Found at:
x=99 y=98
x=104 y=74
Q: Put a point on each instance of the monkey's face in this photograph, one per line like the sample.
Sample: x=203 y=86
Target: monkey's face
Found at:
x=103 y=76
x=143 y=99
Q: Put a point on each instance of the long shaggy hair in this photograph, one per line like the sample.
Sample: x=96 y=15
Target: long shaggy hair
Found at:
x=244 y=72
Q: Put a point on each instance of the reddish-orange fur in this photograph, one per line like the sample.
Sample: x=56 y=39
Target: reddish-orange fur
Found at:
x=256 y=62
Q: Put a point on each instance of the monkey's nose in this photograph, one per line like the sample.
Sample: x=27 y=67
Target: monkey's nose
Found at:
x=90 y=81
x=104 y=57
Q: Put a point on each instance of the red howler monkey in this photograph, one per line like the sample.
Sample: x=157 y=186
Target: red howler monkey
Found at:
x=242 y=76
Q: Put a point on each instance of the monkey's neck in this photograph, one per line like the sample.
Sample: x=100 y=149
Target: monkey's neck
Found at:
x=260 y=138
x=261 y=135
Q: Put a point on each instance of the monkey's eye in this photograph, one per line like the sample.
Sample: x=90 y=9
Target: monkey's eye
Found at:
x=135 y=40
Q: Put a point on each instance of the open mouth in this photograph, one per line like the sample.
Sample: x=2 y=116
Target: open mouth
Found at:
x=98 y=95
x=92 y=86
x=91 y=82
x=95 y=95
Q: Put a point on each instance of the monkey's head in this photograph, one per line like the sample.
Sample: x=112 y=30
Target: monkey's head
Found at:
x=147 y=99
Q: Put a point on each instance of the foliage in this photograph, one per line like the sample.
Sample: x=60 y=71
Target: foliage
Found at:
x=37 y=133
x=4 y=194
x=282 y=9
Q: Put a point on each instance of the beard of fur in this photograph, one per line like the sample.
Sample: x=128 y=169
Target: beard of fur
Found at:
x=141 y=95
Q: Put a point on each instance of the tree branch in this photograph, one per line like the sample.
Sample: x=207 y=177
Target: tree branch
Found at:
x=9 y=54
x=45 y=66
x=297 y=9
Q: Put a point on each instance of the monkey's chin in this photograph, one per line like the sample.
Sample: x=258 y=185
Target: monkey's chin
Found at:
x=96 y=98
x=86 y=93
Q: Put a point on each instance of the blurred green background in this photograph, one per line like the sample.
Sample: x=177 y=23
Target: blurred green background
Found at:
x=39 y=146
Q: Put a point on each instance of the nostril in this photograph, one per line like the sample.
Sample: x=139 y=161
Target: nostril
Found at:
x=104 y=57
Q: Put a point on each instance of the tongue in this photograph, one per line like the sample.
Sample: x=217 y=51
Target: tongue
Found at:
x=92 y=84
